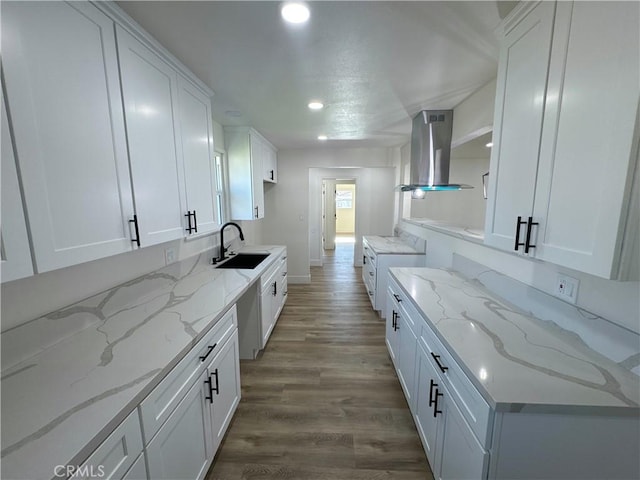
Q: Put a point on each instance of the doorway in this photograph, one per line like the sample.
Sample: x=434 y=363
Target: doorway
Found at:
x=339 y=218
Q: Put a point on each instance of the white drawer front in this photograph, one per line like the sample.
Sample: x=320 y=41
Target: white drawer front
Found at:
x=116 y=454
x=475 y=410
x=156 y=408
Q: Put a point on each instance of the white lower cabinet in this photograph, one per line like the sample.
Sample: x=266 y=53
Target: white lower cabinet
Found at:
x=462 y=456
x=138 y=470
x=451 y=446
x=183 y=447
x=114 y=457
x=272 y=297
x=223 y=388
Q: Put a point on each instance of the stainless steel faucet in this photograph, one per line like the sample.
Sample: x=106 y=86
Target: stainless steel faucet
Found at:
x=222 y=248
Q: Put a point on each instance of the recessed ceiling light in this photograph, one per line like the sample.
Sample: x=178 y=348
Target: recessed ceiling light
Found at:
x=294 y=12
x=322 y=137
x=489 y=145
x=315 y=105
x=233 y=113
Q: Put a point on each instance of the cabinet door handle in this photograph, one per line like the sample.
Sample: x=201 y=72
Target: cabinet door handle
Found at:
x=396 y=315
x=527 y=244
x=364 y=259
x=135 y=225
x=217 y=387
x=189 y=229
x=209 y=350
x=257 y=212
x=397 y=297
x=435 y=403
x=210 y=395
x=440 y=366
x=393 y=320
x=433 y=384
x=274 y=285
x=518 y=243
x=271 y=174
x=195 y=222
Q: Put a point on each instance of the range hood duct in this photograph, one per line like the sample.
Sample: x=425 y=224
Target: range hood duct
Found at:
x=431 y=152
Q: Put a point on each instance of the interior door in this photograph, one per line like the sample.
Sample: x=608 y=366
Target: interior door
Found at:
x=329 y=215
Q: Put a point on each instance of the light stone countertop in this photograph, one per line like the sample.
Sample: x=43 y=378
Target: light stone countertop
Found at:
x=60 y=404
x=471 y=234
x=390 y=245
x=517 y=362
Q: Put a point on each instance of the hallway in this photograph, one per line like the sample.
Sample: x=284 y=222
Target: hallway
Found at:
x=323 y=401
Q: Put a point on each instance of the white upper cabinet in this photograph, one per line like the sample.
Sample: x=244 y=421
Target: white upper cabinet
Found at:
x=587 y=150
x=196 y=131
x=245 y=154
x=270 y=164
x=150 y=93
x=64 y=102
x=522 y=79
x=565 y=142
x=14 y=242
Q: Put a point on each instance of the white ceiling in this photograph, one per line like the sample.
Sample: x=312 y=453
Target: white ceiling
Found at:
x=373 y=64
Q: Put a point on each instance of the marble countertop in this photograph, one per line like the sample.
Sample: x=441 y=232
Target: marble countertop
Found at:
x=390 y=245
x=472 y=234
x=517 y=362
x=60 y=404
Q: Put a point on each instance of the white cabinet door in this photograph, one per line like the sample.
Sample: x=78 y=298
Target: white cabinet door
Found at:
x=149 y=88
x=522 y=79
x=270 y=165
x=113 y=458
x=427 y=421
x=257 y=155
x=391 y=334
x=63 y=93
x=14 y=242
x=224 y=373
x=462 y=457
x=586 y=150
x=267 y=301
x=138 y=470
x=196 y=132
x=183 y=447
x=246 y=192
x=407 y=349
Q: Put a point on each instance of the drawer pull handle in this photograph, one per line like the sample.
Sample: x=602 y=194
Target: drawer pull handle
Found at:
x=371 y=274
x=397 y=297
x=209 y=350
x=440 y=366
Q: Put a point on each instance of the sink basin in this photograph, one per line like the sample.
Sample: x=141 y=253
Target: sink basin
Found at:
x=244 y=260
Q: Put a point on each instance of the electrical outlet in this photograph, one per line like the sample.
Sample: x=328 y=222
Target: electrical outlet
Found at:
x=567 y=288
x=169 y=255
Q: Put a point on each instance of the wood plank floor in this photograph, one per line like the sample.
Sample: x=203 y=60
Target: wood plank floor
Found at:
x=323 y=401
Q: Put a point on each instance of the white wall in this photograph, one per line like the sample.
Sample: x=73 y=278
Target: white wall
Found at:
x=463 y=207
x=614 y=301
x=287 y=206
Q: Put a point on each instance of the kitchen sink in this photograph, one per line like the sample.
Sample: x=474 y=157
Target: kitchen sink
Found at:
x=244 y=260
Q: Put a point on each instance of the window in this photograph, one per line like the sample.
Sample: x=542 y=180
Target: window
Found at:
x=344 y=199
x=221 y=200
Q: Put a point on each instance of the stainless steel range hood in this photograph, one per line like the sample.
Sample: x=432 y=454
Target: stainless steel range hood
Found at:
x=430 y=152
